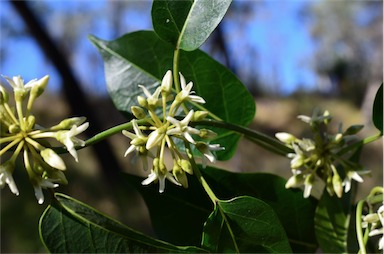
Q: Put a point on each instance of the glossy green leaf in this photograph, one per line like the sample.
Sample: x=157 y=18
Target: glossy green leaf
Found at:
x=244 y=225
x=193 y=206
x=331 y=223
x=142 y=58
x=187 y=24
x=377 y=114
x=69 y=226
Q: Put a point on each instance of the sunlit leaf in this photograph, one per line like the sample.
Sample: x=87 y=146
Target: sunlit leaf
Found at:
x=69 y=226
x=187 y=24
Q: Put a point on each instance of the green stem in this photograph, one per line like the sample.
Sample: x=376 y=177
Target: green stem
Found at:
x=175 y=72
x=360 y=143
x=199 y=176
x=259 y=138
x=359 y=228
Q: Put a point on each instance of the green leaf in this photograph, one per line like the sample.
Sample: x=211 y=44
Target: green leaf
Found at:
x=244 y=224
x=377 y=114
x=187 y=24
x=331 y=223
x=68 y=225
x=141 y=58
x=295 y=212
x=192 y=206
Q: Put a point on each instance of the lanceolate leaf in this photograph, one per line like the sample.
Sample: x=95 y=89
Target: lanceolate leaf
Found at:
x=244 y=225
x=187 y=24
x=377 y=113
x=69 y=226
x=141 y=58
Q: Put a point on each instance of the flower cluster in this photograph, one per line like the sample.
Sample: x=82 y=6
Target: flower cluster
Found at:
x=157 y=115
x=21 y=135
x=376 y=221
x=320 y=161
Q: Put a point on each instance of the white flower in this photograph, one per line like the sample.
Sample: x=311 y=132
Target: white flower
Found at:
x=43 y=183
x=206 y=149
x=154 y=138
x=153 y=176
x=7 y=178
x=182 y=128
x=152 y=99
x=17 y=83
x=138 y=139
x=69 y=140
x=351 y=175
x=52 y=159
x=375 y=220
x=186 y=93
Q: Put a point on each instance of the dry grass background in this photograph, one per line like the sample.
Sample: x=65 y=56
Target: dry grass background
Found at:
x=20 y=215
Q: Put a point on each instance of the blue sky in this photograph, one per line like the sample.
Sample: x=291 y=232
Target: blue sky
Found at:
x=281 y=41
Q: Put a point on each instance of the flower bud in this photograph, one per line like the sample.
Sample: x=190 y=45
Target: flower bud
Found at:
x=142 y=101
x=185 y=166
x=199 y=115
x=166 y=83
x=39 y=87
x=31 y=122
x=67 y=124
x=285 y=137
x=14 y=128
x=180 y=175
x=337 y=185
x=207 y=134
x=138 y=112
x=52 y=159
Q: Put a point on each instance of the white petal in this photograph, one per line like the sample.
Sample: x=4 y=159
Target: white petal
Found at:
x=151 y=177
x=11 y=184
x=39 y=194
x=153 y=139
x=196 y=99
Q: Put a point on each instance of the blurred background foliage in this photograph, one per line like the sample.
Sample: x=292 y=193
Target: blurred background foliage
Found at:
x=339 y=67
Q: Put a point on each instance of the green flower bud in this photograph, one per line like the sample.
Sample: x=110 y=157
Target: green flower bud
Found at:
x=199 y=115
x=14 y=128
x=142 y=101
x=185 y=166
x=139 y=141
x=138 y=112
x=67 y=124
x=40 y=86
x=337 y=185
x=180 y=176
x=207 y=134
x=31 y=122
